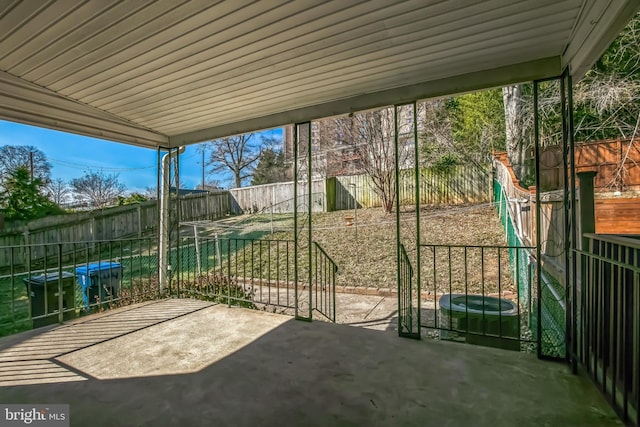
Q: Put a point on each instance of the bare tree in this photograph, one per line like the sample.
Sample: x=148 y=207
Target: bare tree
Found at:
x=371 y=136
x=515 y=116
x=98 y=188
x=13 y=157
x=58 y=191
x=150 y=192
x=210 y=185
x=235 y=154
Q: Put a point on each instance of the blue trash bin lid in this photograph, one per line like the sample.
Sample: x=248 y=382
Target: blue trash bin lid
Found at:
x=97 y=266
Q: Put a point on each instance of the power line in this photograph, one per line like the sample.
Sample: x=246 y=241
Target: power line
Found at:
x=106 y=168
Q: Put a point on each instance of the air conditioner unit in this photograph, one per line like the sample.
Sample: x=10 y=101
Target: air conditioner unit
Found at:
x=482 y=320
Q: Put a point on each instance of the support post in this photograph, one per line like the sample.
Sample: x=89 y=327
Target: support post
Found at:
x=196 y=242
x=536 y=136
x=309 y=209
x=296 y=253
x=416 y=176
x=163 y=228
x=397 y=200
x=577 y=296
x=568 y=255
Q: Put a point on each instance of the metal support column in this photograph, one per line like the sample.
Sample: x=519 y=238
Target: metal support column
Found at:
x=408 y=277
x=296 y=172
x=398 y=242
x=574 y=240
x=536 y=138
x=416 y=177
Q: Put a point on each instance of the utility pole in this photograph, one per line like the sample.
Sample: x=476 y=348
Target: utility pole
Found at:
x=31 y=164
x=204 y=147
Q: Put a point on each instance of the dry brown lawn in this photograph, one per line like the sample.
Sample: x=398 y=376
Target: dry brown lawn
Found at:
x=365 y=251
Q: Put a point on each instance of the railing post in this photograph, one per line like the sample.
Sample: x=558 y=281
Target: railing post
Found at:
x=60 y=287
x=587 y=226
x=587 y=206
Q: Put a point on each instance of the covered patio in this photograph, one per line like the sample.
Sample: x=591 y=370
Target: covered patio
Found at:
x=186 y=362
x=163 y=75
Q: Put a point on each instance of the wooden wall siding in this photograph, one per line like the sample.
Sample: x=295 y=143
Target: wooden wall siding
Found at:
x=613 y=216
x=618 y=216
x=109 y=224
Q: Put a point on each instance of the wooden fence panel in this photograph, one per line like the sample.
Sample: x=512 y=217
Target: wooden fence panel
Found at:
x=459 y=185
x=616 y=163
x=109 y=224
x=277 y=197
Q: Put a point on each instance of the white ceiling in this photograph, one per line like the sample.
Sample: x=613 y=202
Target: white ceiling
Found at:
x=167 y=73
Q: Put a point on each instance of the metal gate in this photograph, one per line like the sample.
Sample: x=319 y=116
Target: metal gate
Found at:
x=324 y=283
x=408 y=299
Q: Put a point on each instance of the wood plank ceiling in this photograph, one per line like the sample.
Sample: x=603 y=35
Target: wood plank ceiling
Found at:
x=163 y=73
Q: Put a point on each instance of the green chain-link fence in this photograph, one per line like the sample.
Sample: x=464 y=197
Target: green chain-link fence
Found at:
x=523 y=270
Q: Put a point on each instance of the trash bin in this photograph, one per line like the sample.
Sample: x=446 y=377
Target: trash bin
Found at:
x=43 y=291
x=99 y=280
x=483 y=320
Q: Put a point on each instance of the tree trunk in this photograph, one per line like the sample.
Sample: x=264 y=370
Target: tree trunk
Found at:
x=516 y=147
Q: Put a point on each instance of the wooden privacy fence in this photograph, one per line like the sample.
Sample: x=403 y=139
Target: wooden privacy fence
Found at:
x=277 y=198
x=106 y=225
x=617 y=163
x=460 y=184
x=457 y=185
x=614 y=214
x=521 y=208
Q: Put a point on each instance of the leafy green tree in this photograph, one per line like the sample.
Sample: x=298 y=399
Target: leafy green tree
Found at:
x=132 y=199
x=462 y=129
x=270 y=168
x=23 y=199
x=478 y=122
x=436 y=136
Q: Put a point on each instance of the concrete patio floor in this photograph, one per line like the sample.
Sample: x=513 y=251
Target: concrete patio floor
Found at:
x=191 y=363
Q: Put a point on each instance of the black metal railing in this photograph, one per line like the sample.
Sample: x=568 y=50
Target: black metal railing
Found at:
x=408 y=298
x=608 y=323
x=61 y=281
x=255 y=273
x=481 y=294
x=324 y=283
x=43 y=284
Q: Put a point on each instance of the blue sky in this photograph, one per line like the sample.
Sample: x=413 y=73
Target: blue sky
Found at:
x=71 y=155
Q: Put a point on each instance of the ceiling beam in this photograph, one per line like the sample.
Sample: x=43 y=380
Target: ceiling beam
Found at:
x=501 y=76
x=24 y=102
